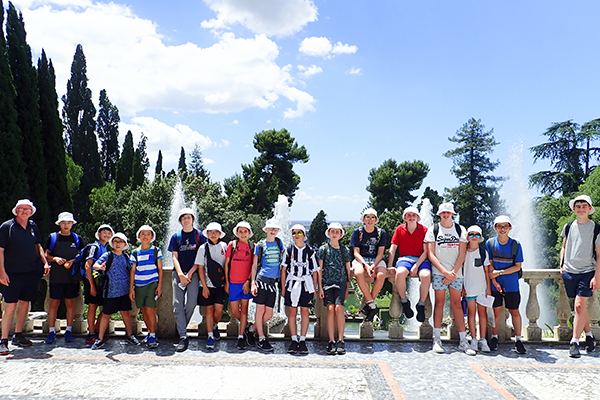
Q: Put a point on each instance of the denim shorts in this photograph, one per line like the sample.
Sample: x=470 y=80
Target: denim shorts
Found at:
x=578 y=284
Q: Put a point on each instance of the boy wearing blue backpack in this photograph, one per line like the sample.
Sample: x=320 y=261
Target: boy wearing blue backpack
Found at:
x=61 y=249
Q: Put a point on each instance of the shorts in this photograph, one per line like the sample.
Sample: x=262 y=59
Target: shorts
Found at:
x=89 y=299
x=236 y=292
x=23 y=287
x=335 y=295
x=304 y=301
x=437 y=284
x=578 y=284
x=408 y=265
x=58 y=291
x=469 y=298
x=267 y=291
x=144 y=295
x=355 y=264
x=216 y=296
x=512 y=300
x=116 y=304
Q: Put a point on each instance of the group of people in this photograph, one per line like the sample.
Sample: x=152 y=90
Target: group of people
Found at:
x=207 y=271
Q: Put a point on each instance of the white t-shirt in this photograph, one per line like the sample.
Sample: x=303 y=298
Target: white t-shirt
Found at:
x=217 y=253
x=447 y=246
x=579 y=251
x=474 y=271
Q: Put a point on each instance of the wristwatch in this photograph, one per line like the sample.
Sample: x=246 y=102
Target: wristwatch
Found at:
x=501 y=272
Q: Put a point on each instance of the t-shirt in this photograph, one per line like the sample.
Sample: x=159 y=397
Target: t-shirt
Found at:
x=334 y=271
x=20 y=246
x=240 y=265
x=94 y=252
x=474 y=271
x=65 y=247
x=186 y=249
x=118 y=276
x=369 y=245
x=579 y=252
x=269 y=265
x=217 y=253
x=146 y=270
x=447 y=246
x=502 y=259
x=409 y=244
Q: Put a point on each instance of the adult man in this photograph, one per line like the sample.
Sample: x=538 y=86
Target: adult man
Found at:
x=21 y=262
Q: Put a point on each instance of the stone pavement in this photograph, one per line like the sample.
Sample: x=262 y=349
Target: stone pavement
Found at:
x=370 y=370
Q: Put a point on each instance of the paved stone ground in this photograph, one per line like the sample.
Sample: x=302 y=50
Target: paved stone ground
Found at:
x=370 y=370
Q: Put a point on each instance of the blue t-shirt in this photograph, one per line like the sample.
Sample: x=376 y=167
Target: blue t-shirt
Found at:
x=269 y=266
x=118 y=277
x=187 y=248
x=369 y=245
x=501 y=256
x=146 y=270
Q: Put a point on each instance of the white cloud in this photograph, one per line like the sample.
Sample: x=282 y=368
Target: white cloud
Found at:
x=207 y=161
x=235 y=122
x=269 y=17
x=321 y=47
x=305 y=197
x=354 y=199
x=340 y=48
x=354 y=71
x=129 y=58
x=307 y=72
x=225 y=143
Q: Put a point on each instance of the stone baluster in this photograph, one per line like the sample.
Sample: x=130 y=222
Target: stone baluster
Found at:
x=233 y=326
x=562 y=332
x=426 y=330
x=45 y=326
x=594 y=311
x=164 y=307
x=533 y=331
x=395 y=329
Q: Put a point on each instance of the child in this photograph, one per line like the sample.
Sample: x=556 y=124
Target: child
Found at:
x=61 y=249
x=368 y=244
x=146 y=287
x=238 y=265
x=334 y=262
x=184 y=246
x=264 y=279
x=116 y=267
x=476 y=284
x=299 y=274
x=210 y=262
x=505 y=264
x=93 y=297
x=447 y=245
x=409 y=239
x=580 y=268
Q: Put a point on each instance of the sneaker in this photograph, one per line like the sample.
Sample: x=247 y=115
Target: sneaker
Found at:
x=210 y=343
x=264 y=345
x=372 y=313
x=51 y=338
x=365 y=309
x=216 y=332
x=407 y=310
x=590 y=343
x=519 y=348
x=145 y=339
x=420 y=313
x=90 y=339
x=293 y=349
x=249 y=336
x=21 y=341
x=474 y=345
x=69 y=337
x=464 y=347
x=182 y=345
x=302 y=349
x=483 y=346
x=494 y=344
x=437 y=347
x=241 y=344
x=152 y=342
x=98 y=344
x=331 y=348
x=574 y=350
x=131 y=339
x=4 y=348
x=341 y=347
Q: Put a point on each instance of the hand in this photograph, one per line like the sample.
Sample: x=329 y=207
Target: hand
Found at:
x=46 y=269
x=59 y=260
x=414 y=270
x=226 y=287
x=321 y=294
x=132 y=294
x=488 y=292
x=205 y=292
x=595 y=283
x=499 y=287
x=246 y=287
x=391 y=271
x=370 y=269
x=183 y=278
x=100 y=267
x=4 y=278
x=158 y=292
x=254 y=289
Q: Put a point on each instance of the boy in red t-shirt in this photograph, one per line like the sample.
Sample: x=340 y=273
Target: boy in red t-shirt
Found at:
x=238 y=265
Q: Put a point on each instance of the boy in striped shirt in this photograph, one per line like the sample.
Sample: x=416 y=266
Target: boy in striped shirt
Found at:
x=146 y=281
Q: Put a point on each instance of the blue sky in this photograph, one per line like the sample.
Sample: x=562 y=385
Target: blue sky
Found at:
x=356 y=82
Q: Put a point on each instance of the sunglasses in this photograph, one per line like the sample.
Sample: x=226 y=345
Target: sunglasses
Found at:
x=370 y=217
x=475 y=235
x=297 y=234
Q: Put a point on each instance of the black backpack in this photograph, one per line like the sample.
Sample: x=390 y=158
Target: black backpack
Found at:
x=514 y=249
x=214 y=270
x=596 y=232
x=101 y=280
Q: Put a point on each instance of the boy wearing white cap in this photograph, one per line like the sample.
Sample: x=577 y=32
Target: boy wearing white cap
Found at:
x=210 y=262
x=146 y=286
x=580 y=268
x=61 y=249
x=368 y=245
x=238 y=265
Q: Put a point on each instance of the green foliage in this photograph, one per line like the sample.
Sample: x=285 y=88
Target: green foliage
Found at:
x=550 y=212
x=140 y=164
x=197 y=164
x=434 y=198
x=182 y=166
x=389 y=221
x=125 y=163
x=108 y=133
x=158 y=171
x=390 y=185
x=316 y=232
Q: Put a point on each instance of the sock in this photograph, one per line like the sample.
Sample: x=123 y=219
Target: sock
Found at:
x=152 y=334
x=495 y=336
x=210 y=335
x=462 y=336
x=371 y=304
x=589 y=334
x=302 y=338
x=252 y=328
x=69 y=328
x=421 y=303
x=437 y=333
x=240 y=336
x=215 y=327
x=294 y=338
x=52 y=330
x=183 y=338
x=518 y=338
x=574 y=340
x=403 y=300
x=261 y=338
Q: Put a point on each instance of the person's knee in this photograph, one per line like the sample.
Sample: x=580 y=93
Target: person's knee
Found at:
x=580 y=305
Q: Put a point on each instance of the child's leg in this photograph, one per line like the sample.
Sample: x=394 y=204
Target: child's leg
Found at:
x=380 y=273
x=517 y=321
x=438 y=310
x=425 y=277
x=582 y=317
x=234 y=308
x=330 y=321
x=149 y=314
x=341 y=321
x=303 y=321
x=217 y=313
x=292 y=313
x=482 y=313
x=497 y=313
x=91 y=317
x=359 y=274
x=244 y=315
x=126 y=315
x=210 y=318
x=70 y=304
x=102 y=324
x=459 y=316
x=259 y=319
x=401 y=274
x=471 y=317
x=54 y=303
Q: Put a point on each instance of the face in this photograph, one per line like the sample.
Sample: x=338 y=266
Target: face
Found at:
x=369 y=219
x=502 y=228
x=213 y=235
x=243 y=233
x=105 y=235
x=446 y=215
x=581 y=208
x=411 y=217
x=146 y=237
x=118 y=244
x=186 y=220
x=474 y=237
x=298 y=236
x=24 y=211
x=335 y=233
x=65 y=226
x=272 y=231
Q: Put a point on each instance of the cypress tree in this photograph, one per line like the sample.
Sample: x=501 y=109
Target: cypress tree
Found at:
x=182 y=167
x=108 y=133
x=140 y=164
x=158 y=171
x=125 y=163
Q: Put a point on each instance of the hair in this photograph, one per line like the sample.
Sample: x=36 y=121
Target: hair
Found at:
x=582 y=201
x=183 y=215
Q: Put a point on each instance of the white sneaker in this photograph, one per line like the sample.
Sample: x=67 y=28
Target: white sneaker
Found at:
x=464 y=346
x=474 y=344
x=483 y=346
x=437 y=347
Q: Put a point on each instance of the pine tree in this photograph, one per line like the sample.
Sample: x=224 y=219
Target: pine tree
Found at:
x=125 y=163
x=140 y=164
x=182 y=166
x=316 y=233
x=108 y=133
x=158 y=171
x=197 y=164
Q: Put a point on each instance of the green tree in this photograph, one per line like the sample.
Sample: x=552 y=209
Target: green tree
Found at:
x=108 y=133
x=316 y=232
x=158 y=171
x=197 y=164
x=125 y=163
x=590 y=132
x=74 y=174
x=390 y=185
x=434 y=198
x=182 y=166
x=476 y=197
x=140 y=164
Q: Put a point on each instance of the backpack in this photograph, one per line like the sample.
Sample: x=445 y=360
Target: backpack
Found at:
x=361 y=231
x=482 y=252
x=75 y=268
x=101 y=280
x=214 y=270
x=78 y=268
x=514 y=249
x=234 y=247
x=261 y=246
x=436 y=230
x=341 y=252
x=180 y=233
x=136 y=252
x=596 y=232
x=54 y=239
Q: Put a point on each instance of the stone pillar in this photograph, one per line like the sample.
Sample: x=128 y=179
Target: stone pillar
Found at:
x=562 y=332
x=45 y=326
x=504 y=331
x=233 y=326
x=395 y=329
x=320 y=328
x=286 y=328
x=164 y=307
x=136 y=326
x=426 y=330
x=79 y=324
x=594 y=311
x=202 y=328
x=532 y=331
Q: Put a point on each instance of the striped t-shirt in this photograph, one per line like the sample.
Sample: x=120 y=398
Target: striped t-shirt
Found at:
x=146 y=271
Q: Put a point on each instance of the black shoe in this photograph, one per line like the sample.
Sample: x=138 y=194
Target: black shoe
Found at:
x=302 y=349
x=574 y=350
x=293 y=349
x=590 y=343
x=241 y=344
x=21 y=341
x=420 y=313
x=372 y=313
x=365 y=309
x=182 y=345
x=407 y=310
x=341 y=347
x=494 y=344
x=519 y=348
x=249 y=336
x=216 y=332
x=264 y=345
x=331 y=348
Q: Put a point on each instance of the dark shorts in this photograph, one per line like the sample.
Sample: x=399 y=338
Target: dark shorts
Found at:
x=335 y=295
x=578 y=284
x=236 y=292
x=304 y=301
x=59 y=291
x=116 y=304
x=22 y=287
x=144 y=295
x=267 y=291
x=216 y=296
x=408 y=265
x=511 y=300
x=89 y=299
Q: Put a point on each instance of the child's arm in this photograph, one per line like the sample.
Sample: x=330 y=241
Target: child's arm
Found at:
x=392 y=253
x=380 y=251
x=205 y=290
x=227 y=266
x=283 y=273
x=435 y=261
x=423 y=257
x=320 y=279
x=462 y=253
x=562 y=255
x=132 y=281
x=159 y=269
x=183 y=278
x=253 y=287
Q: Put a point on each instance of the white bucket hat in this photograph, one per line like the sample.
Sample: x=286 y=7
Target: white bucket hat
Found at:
x=476 y=229
x=583 y=197
x=214 y=226
x=102 y=227
x=243 y=224
x=146 y=228
x=446 y=207
x=185 y=211
x=335 y=225
x=369 y=211
x=501 y=219
x=24 y=202
x=271 y=223
x=65 y=217
x=298 y=227
x=414 y=210
x=121 y=236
